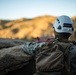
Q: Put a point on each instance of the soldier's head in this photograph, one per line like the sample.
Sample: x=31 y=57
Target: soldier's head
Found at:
x=63 y=27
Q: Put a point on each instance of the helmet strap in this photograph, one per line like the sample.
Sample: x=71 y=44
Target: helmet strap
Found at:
x=62 y=35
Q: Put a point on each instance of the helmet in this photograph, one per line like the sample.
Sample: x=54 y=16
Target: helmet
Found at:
x=64 y=24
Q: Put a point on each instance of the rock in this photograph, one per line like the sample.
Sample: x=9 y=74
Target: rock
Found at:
x=13 y=58
x=5 y=43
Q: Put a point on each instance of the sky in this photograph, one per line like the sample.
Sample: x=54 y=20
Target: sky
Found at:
x=15 y=9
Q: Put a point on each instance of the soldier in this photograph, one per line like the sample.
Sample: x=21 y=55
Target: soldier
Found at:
x=52 y=58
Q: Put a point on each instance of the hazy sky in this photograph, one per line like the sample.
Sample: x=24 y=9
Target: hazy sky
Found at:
x=14 y=9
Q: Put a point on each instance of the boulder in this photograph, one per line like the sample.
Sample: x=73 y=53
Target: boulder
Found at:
x=12 y=59
x=6 y=43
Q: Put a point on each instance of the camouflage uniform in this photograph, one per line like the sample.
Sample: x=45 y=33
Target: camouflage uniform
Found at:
x=37 y=49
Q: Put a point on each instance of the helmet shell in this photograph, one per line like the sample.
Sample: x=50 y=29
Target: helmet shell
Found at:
x=64 y=24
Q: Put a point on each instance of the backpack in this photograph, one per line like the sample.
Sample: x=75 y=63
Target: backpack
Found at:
x=54 y=59
x=72 y=53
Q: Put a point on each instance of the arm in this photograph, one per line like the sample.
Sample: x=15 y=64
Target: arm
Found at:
x=32 y=47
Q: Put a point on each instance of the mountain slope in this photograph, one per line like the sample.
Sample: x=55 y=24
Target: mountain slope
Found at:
x=29 y=28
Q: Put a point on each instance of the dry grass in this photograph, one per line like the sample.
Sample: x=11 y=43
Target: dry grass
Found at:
x=29 y=28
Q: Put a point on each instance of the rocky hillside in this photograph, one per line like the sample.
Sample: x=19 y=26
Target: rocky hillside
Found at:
x=29 y=28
